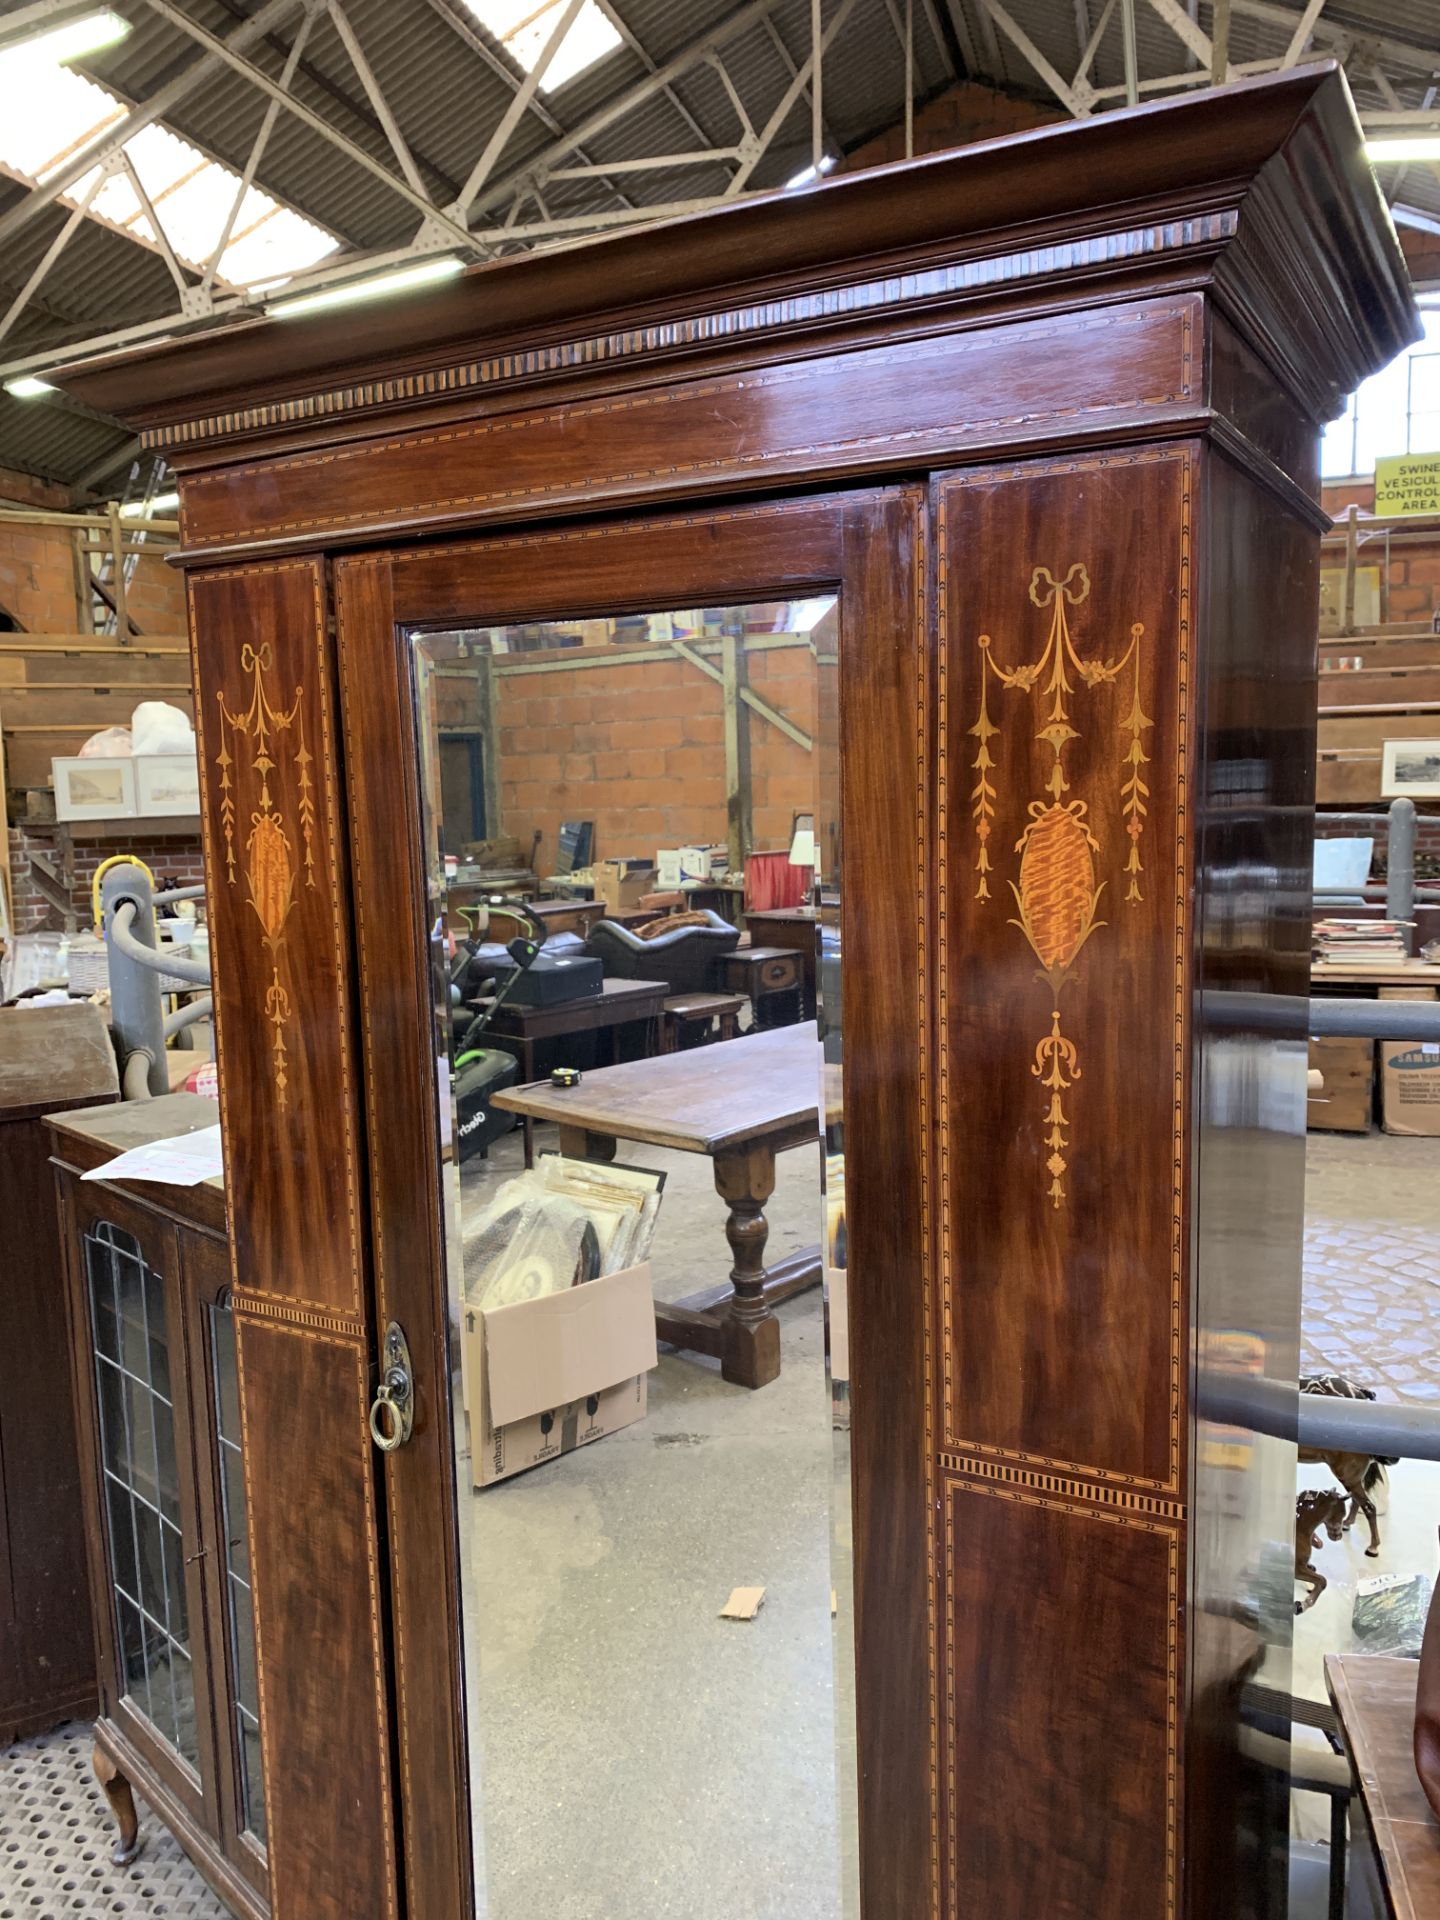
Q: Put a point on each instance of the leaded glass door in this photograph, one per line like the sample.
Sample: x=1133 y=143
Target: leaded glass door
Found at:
x=153 y=1631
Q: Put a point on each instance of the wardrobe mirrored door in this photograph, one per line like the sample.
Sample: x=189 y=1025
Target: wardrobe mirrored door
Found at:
x=631 y=834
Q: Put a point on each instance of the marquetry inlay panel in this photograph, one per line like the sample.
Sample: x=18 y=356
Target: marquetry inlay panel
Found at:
x=265 y=726
x=1063 y=904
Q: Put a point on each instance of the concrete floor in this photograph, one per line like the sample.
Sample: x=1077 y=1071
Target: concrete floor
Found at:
x=640 y=1756
x=637 y=1754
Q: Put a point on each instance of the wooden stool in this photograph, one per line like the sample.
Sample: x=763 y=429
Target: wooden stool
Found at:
x=682 y=1009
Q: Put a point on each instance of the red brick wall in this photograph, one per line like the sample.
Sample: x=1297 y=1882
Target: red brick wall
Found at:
x=1414 y=577
x=38 y=565
x=175 y=856
x=40 y=578
x=640 y=750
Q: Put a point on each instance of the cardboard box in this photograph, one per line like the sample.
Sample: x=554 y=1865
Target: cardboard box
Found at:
x=667 y=868
x=1410 y=1087
x=1345 y=1102
x=543 y=1377
x=618 y=884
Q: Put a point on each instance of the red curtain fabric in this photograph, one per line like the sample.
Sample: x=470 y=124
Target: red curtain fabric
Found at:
x=771 y=881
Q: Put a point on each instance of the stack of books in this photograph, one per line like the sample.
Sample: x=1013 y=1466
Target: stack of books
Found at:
x=1362 y=942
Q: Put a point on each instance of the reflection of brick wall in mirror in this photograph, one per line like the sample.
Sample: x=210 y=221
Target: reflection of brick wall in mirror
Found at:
x=639 y=748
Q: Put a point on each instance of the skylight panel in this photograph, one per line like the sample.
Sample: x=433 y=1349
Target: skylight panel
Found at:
x=53 y=114
x=524 y=26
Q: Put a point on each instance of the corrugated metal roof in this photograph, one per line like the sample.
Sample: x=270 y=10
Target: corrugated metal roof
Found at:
x=449 y=93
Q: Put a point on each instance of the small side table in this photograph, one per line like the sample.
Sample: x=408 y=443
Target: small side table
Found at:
x=771 y=979
x=686 y=1009
x=1374 y=1696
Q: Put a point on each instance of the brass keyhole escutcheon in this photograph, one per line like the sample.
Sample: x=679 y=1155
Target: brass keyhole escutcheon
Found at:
x=392 y=1413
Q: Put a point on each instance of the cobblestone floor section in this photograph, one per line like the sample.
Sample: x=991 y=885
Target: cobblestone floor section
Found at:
x=1372 y=1263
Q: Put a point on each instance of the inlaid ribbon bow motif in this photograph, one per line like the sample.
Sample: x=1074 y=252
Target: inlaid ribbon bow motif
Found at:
x=268 y=852
x=1057 y=890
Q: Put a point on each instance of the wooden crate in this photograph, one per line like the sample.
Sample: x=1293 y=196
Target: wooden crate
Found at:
x=1346 y=1103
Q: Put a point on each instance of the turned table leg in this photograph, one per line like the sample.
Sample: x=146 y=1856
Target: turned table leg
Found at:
x=122 y=1804
x=527 y=1074
x=750 y=1353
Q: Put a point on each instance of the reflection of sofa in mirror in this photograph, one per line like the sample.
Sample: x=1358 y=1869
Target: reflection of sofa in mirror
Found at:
x=688 y=957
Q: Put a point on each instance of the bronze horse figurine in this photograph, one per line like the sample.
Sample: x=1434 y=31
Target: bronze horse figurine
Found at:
x=1316 y=1508
x=1358 y=1473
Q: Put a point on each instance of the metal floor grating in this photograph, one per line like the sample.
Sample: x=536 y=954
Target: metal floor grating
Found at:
x=55 y=1838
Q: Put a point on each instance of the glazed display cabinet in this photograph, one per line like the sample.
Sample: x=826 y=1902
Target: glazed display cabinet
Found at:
x=157 y=1396
x=1038 y=424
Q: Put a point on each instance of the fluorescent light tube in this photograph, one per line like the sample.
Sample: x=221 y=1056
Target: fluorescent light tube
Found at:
x=1399 y=147
x=75 y=39
x=162 y=503
x=28 y=386
x=808 y=174
x=376 y=287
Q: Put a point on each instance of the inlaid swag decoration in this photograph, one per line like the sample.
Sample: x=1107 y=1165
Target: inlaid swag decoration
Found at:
x=1057 y=888
x=272 y=735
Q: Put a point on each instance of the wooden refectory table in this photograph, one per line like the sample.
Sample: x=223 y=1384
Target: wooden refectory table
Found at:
x=1374 y=1697
x=741 y=1102
x=620 y=1002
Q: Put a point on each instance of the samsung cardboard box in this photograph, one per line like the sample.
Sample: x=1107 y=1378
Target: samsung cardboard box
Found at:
x=1410 y=1087
x=542 y=1377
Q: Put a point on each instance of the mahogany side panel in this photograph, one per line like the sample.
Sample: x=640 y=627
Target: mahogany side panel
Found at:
x=272 y=813
x=1061 y=1768
x=1253 y=797
x=1246 y=392
x=885 y=644
x=277 y=899
x=1056 y=1379
x=837 y=412
x=398 y=1039
x=319 y=1635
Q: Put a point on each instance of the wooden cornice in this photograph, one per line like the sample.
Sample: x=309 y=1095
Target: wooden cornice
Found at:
x=1258 y=190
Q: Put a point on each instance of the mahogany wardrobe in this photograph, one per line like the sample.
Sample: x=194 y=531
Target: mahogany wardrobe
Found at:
x=1045 y=415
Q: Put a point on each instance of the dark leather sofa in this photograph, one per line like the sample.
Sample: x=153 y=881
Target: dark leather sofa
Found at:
x=689 y=960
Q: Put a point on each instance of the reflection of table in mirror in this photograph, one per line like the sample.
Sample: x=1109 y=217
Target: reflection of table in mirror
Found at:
x=741 y=1102
x=518 y=1028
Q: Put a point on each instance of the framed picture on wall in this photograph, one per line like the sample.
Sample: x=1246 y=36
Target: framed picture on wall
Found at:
x=94 y=788
x=1411 y=769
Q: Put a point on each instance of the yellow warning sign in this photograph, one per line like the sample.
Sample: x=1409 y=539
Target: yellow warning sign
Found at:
x=1407 y=483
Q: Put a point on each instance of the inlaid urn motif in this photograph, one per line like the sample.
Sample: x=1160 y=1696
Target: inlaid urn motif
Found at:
x=1057 y=888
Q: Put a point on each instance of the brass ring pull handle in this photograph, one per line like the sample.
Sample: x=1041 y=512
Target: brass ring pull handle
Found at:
x=392 y=1413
